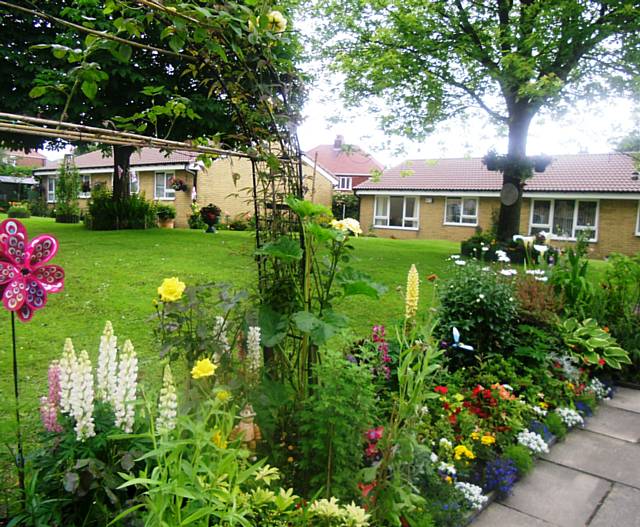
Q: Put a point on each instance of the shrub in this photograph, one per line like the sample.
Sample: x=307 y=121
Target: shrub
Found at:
x=555 y=425
x=537 y=303
x=345 y=205
x=165 y=212
x=104 y=214
x=238 y=225
x=19 y=211
x=67 y=190
x=521 y=457
x=481 y=305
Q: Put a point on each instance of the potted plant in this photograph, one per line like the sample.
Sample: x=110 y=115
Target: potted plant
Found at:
x=177 y=184
x=166 y=216
x=211 y=216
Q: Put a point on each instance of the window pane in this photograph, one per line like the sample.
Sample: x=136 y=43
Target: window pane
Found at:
x=469 y=208
x=160 y=185
x=410 y=207
x=587 y=213
x=453 y=210
x=395 y=211
x=563 y=218
x=410 y=224
x=467 y=219
x=168 y=191
x=541 y=211
x=134 y=182
x=381 y=205
x=380 y=221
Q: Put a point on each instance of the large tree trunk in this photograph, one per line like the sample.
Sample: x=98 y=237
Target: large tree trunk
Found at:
x=121 y=160
x=516 y=170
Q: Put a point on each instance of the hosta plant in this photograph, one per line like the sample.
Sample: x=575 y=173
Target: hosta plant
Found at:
x=589 y=342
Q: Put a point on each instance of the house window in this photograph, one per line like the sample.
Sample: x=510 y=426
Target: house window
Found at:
x=134 y=182
x=400 y=212
x=344 y=183
x=461 y=211
x=85 y=186
x=163 y=188
x=565 y=218
x=51 y=189
x=638 y=221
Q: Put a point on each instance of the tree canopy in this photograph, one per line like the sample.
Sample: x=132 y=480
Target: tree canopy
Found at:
x=419 y=63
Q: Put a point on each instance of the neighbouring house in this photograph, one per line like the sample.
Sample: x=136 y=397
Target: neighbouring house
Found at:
x=450 y=198
x=227 y=183
x=349 y=164
x=15 y=184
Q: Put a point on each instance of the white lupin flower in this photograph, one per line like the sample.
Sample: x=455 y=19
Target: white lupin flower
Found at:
x=254 y=351
x=67 y=367
x=168 y=403
x=125 y=396
x=107 y=373
x=81 y=397
x=220 y=331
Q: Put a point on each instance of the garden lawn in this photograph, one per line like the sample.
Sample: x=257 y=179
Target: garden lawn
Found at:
x=114 y=276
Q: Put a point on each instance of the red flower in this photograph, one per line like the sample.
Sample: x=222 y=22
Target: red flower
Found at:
x=453 y=419
x=601 y=362
x=371 y=450
x=375 y=434
x=477 y=390
x=441 y=389
x=24 y=278
x=365 y=489
x=446 y=406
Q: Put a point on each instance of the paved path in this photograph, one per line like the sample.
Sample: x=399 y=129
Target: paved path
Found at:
x=591 y=478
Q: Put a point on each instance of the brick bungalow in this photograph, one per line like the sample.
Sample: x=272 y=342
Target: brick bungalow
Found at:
x=349 y=164
x=227 y=183
x=450 y=198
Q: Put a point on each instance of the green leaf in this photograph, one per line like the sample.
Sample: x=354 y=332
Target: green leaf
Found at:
x=273 y=326
x=306 y=209
x=90 y=89
x=124 y=52
x=305 y=321
x=283 y=248
x=38 y=91
x=355 y=282
x=176 y=43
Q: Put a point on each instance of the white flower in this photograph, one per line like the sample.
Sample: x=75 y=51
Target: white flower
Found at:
x=125 y=396
x=485 y=248
x=434 y=457
x=541 y=278
x=445 y=442
x=526 y=240
x=168 y=403
x=347 y=224
x=254 y=351
x=486 y=269
x=480 y=297
x=355 y=516
x=508 y=272
x=220 y=333
x=599 y=389
x=326 y=508
x=533 y=442
x=68 y=364
x=460 y=262
x=541 y=249
x=277 y=21
x=570 y=417
x=81 y=397
x=504 y=258
x=540 y=411
x=107 y=364
x=508 y=387
x=454 y=257
x=447 y=468
x=472 y=493
x=500 y=252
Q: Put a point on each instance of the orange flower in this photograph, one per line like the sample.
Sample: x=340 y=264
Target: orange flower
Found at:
x=432 y=277
x=605 y=329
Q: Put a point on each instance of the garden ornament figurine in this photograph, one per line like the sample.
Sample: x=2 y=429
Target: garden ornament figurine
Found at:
x=246 y=430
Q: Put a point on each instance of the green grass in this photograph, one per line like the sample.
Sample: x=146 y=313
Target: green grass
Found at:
x=114 y=276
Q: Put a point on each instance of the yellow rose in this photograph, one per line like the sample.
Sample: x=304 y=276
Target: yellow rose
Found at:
x=203 y=368
x=171 y=289
x=488 y=440
x=277 y=21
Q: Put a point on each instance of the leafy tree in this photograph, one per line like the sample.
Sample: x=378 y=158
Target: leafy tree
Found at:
x=428 y=61
x=179 y=90
x=629 y=143
x=67 y=190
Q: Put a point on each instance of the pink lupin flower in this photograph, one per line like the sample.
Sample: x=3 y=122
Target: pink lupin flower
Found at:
x=25 y=280
x=49 y=405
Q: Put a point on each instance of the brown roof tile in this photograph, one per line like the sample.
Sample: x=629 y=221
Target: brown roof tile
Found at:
x=144 y=156
x=349 y=160
x=566 y=173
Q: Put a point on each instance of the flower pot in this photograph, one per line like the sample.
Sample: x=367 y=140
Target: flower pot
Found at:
x=166 y=223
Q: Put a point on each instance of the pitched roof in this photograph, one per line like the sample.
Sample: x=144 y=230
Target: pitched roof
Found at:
x=349 y=160
x=32 y=154
x=566 y=173
x=144 y=156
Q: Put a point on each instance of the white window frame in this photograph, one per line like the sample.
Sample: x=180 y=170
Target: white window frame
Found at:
x=137 y=191
x=638 y=221
x=345 y=183
x=405 y=218
x=462 y=214
x=169 y=193
x=84 y=195
x=575 y=227
x=51 y=189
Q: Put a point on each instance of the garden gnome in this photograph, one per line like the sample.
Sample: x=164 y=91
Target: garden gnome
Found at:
x=246 y=430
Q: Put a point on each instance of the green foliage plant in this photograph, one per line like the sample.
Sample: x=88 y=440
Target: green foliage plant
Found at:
x=592 y=345
x=165 y=212
x=67 y=190
x=555 y=425
x=570 y=281
x=19 y=211
x=482 y=305
x=105 y=214
x=521 y=456
x=345 y=205
x=340 y=408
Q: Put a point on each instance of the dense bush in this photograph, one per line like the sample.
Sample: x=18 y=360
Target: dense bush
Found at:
x=521 y=457
x=19 y=211
x=165 y=212
x=105 y=214
x=537 y=302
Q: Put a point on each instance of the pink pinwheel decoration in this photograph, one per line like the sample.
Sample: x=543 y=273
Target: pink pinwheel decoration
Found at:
x=25 y=281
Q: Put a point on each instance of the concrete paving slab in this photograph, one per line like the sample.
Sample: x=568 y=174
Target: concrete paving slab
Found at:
x=558 y=495
x=625 y=398
x=621 y=508
x=600 y=455
x=615 y=422
x=497 y=514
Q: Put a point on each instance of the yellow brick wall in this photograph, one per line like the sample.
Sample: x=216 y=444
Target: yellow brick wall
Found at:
x=182 y=201
x=616 y=230
x=228 y=183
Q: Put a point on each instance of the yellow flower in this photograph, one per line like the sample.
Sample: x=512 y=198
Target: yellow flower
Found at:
x=571 y=386
x=223 y=396
x=171 y=289
x=458 y=397
x=277 y=21
x=218 y=440
x=203 y=368
x=290 y=459
x=488 y=439
x=462 y=450
x=543 y=405
x=475 y=435
x=413 y=292
x=449 y=480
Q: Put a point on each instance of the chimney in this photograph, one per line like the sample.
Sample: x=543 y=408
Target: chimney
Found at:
x=337 y=144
